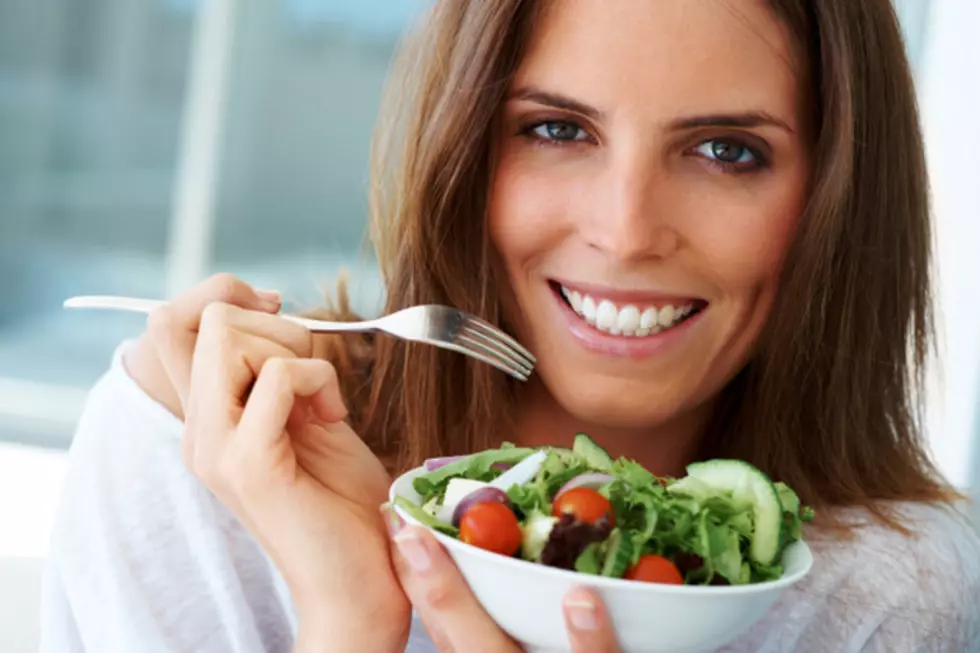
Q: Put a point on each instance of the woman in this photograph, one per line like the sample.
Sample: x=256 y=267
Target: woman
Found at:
x=709 y=222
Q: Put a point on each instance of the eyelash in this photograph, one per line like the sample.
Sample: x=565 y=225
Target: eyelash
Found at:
x=759 y=162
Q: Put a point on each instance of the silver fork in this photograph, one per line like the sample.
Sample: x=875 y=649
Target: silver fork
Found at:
x=432 y=324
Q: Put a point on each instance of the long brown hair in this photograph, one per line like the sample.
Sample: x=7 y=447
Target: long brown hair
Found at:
x=829 y=403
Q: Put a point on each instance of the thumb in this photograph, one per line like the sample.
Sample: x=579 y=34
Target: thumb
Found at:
x=589 y=627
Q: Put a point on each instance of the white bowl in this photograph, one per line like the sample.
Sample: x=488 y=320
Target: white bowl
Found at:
x=525 y=598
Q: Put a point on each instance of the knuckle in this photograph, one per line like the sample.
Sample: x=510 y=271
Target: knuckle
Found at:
x=441 y=593
x=276 y=368
x=216 y=317
x=224 y=286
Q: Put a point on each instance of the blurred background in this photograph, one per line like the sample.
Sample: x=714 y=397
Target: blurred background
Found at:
x=145 y=144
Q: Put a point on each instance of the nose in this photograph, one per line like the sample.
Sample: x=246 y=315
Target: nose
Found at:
x=631 y=219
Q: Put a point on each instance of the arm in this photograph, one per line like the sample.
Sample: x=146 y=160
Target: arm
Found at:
x=950 y=624
x=142 y=556
x=936 y=588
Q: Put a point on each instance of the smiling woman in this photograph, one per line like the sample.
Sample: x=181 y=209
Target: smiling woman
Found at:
x=708 y=221
x=665 y=212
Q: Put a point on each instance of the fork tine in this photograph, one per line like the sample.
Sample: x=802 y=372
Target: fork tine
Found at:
x=500 y=348
x=474 y=344
x=479 y=355
x=498 y=334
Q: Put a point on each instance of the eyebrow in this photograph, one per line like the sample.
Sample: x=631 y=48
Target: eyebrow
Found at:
x=745 y=119
x=555 y=100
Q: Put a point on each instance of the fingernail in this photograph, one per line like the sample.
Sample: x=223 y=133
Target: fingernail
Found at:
x=272 y=297
x=391 y=519
x=581 y=612
x=413 y=550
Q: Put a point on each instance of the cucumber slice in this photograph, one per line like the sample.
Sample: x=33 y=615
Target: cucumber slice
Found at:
x=788 y=498
x=565 y=455
x=746 y=483
x=690 y=486
x=588 y=561
x=593 y=455
x=619 y=554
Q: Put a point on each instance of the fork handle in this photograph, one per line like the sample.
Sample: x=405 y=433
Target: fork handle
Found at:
x=138 y=305
x=133 y=304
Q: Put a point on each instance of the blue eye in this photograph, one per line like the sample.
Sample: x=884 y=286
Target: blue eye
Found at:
x=729 y=153
x=556 y=130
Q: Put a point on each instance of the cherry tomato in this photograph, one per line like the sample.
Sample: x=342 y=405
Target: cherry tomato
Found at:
x=585 y=505
x=491 y=526
x=655 y=569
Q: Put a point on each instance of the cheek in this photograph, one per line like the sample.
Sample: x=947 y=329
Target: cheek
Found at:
x=743 y=249
x=745 y=244
x=528 y=214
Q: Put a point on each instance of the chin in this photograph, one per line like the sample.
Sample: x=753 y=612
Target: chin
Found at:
x=620 y=404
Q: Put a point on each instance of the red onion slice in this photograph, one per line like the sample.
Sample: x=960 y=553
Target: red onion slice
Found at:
x=592 y=480
x=483 y=495
x=436 y=463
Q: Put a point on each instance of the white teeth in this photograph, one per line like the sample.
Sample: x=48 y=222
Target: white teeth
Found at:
x=628 y=320
x=605 y=316
x=649 y=319
x=588 y=309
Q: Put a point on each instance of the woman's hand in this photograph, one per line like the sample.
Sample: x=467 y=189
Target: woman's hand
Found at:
x=265 y=432
x=454 y=618
x=160 y=361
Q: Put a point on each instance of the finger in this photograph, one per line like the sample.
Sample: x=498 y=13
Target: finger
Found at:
x=589 y=627
x=226 y=364
x=224 y=368
x=231 y=456
x=219 y=320
x=279 y=384
x=452 y=615
x=294 y=337
x=173 y=327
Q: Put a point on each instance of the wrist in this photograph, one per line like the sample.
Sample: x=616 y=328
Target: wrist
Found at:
x=328 y=630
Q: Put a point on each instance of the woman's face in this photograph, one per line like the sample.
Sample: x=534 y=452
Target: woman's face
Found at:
x=651 y=171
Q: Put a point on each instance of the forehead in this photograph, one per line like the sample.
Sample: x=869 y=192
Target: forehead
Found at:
x=670 y=56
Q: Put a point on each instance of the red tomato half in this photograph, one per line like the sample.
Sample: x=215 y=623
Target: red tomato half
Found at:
x=491 y=526
x=585 y=505
x=655 y=569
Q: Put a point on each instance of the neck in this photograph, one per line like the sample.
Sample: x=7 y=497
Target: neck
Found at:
x=665 y=449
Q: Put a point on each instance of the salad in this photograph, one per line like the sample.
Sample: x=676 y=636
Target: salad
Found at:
x=724 y=523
